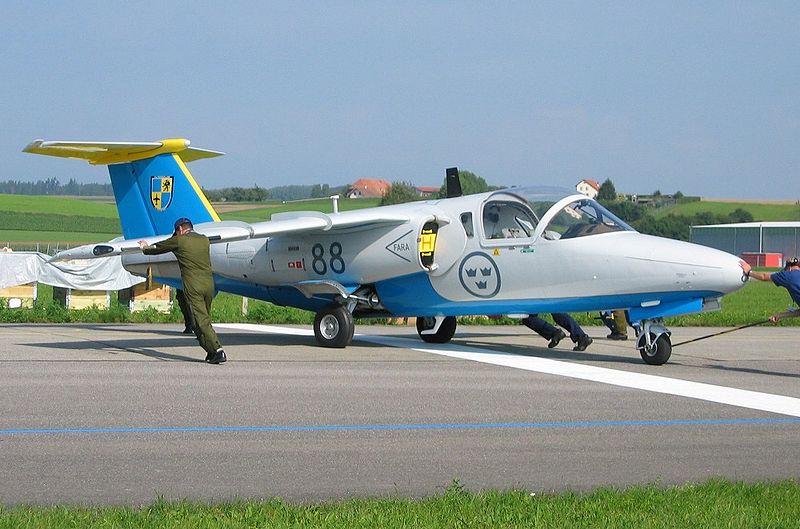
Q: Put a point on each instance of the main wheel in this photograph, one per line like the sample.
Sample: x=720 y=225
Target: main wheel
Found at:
x=659 y=352
x=446 y=330
x=334 y=327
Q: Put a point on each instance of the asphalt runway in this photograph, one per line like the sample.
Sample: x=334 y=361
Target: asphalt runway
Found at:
x=125 y=414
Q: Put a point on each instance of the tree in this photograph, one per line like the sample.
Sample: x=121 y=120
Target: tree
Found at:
x=399 y=193
x=471 y=184
x=607 y=191
x=630 y=212
x=740 y=215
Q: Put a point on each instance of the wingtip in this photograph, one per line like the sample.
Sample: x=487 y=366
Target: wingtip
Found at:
x=33 y=145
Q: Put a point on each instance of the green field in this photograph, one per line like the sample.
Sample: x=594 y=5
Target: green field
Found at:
x=63 y=222
x=27 y=220
x=713 y=504
x=760 y=212
x=58 y=205
x=262 y=212
x=24 y=240
x=755 y=302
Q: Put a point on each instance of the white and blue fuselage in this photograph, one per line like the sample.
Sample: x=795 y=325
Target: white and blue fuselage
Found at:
x=516 y=251
x=535 y=265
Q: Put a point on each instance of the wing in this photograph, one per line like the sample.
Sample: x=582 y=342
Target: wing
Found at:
x=230 y=231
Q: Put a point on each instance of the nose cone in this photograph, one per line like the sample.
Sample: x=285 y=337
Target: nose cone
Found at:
x=696 y=267
x=717 y=270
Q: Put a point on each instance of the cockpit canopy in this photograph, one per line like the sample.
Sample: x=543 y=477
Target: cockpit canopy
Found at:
x=516 y=213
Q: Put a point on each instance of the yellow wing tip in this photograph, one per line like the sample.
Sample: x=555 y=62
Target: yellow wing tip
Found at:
x=105 y=153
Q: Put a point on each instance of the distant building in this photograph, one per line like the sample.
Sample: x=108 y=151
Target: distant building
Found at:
x=653 y=200
x=588 y=187
x=427 y=191
x=368 y=188
x=750 y=237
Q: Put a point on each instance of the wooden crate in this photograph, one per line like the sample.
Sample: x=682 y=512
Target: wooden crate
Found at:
x=19 y=296
x=140 y=297
x=75 y=299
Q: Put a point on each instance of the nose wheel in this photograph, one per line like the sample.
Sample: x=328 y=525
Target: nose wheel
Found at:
x=334 y=327
x=436 y=330
x=654 y=344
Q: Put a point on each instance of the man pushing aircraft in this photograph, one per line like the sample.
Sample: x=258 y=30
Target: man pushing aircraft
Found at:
x=789 y=278
x=191 y=249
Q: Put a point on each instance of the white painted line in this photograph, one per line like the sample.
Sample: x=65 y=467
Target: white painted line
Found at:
x=672 y=386
x=266 y=329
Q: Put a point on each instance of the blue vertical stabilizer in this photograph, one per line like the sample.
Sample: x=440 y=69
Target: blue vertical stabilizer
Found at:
x=151 y=194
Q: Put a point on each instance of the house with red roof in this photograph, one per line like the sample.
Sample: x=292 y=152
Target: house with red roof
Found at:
x=427 y=191
x=368 y=188
x=588 y=187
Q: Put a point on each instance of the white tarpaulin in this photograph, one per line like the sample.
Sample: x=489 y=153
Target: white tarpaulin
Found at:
x=18 y=268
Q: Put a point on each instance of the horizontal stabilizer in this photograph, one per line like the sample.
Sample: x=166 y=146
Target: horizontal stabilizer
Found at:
x=110 y=152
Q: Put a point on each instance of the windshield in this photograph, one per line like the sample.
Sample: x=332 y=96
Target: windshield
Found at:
x=579 y=218
x=582 y=218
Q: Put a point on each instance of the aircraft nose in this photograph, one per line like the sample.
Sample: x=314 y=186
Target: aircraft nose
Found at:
x=730 y=274
x=701 y=268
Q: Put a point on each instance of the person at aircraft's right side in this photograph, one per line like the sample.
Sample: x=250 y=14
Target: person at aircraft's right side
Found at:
x=788 y=278
x=554 y=334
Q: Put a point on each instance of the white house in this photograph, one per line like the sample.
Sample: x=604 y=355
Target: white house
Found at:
x=588 y=187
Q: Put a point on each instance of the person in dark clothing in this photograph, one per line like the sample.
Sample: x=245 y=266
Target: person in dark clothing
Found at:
x=788 y=278
x=554 y=334
x=186 y=311
x=191 y=249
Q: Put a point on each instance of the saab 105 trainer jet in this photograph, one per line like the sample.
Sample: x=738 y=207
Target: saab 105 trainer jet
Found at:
x=515 y=251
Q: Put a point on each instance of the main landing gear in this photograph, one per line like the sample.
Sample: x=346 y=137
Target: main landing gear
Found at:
x=653 y=342
x=436 y=330
x=333 y=326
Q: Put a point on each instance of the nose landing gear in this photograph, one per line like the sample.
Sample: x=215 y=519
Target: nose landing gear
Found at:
x=436 y=330
x=654 y=344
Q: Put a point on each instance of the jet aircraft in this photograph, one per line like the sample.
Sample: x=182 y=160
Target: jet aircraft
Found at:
x=515 y=251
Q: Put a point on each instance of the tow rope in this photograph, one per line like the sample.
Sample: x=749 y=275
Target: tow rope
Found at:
x=721 y=332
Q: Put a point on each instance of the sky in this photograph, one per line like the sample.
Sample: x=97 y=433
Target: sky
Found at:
x=697 y=97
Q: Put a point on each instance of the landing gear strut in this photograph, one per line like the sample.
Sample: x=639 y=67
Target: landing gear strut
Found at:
x=333 y=326
x=436 y=330
x=654 y=343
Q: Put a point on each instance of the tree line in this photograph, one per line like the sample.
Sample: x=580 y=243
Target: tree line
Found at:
x=52 y=186
x=673 y=226
x=637 y=215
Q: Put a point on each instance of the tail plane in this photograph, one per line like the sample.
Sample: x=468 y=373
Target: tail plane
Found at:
x=152 y=185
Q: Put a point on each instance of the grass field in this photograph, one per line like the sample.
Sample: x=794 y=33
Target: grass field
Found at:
x=26 y=239
x=760 y=212
x=57 y=205
x=755 y=302
x=27 y=220
x=263 y=212
x=714 y=504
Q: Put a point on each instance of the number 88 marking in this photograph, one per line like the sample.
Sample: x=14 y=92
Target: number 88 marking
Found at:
x=336 y=262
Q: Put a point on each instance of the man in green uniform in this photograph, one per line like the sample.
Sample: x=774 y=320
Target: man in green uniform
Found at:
x=191 y=249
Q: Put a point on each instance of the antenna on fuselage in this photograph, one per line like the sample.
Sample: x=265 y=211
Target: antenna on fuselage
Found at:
x=452 y=183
